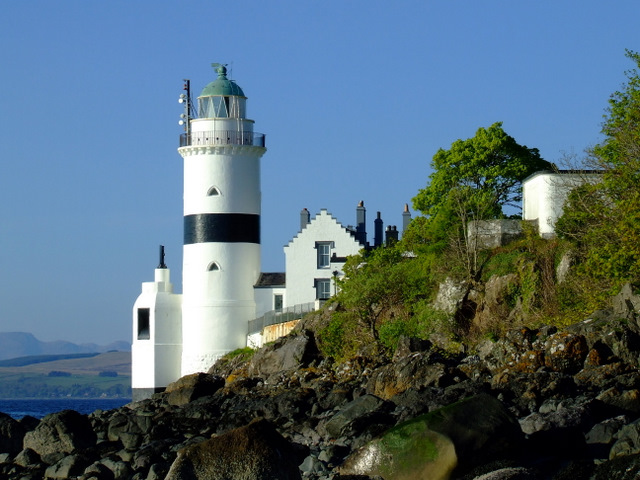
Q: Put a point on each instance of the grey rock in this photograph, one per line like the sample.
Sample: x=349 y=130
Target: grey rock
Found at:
x=628 y=442
x=287 y=353
x=68 y=467
x=510 y=473
x=27 y=457
x=121 y=470
x=11 y=434
x=605 y=431
x=98 y=471
x=355 y=416
x=191 y=387
x=254 y=452
x=59 y=434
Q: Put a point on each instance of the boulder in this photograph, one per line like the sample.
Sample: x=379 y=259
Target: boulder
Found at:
x=59 y=434
x=11 y=434
x=565 y=352
x=509 y=473
x=415 y=371
x=192 y=387
x=356 y=416
x=287 y=353
x=129 y=428
x=467 y=433
x=27 y=458
x=253 y=452
x=68 y=467
x=628 y=442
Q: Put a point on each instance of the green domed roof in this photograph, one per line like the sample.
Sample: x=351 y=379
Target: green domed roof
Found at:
x=221 y=85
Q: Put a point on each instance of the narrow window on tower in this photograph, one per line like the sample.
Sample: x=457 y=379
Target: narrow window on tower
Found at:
x=324 y=254
x=213 y=267
x=144 y=332
x=213 y=191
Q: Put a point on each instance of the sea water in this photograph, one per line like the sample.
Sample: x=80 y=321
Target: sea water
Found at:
x=39 y=407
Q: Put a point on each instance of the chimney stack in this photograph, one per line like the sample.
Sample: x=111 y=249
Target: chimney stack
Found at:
x=406 y=218
x=305 y=218
x=392 y=234
x=361 y=220
x=378 y=230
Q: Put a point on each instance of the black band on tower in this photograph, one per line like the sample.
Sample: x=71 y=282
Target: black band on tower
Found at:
x=221 y=227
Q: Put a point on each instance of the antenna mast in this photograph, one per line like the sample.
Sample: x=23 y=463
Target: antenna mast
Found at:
x=185 y=118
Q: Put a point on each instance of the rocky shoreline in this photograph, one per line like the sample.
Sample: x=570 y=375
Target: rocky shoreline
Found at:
x=537 y=404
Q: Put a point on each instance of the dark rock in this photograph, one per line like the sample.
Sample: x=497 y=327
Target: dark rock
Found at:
x=628 y=442
x=356 y=416
x=59 y=434
x=409 y=345
x=510 y=473
x=27 y=458
x=192 y=387
x=121 y=470
x=627 y=401
x=623 y=468
x=11 y=434
x=603 y=435
x=129 y=428
x=600 y=377
x=97 y=471
x=68 y=467
x=29 y=423
x=256 y=451
x=416 y=371
x=622 y=337
x=565 y=352
x=287 y=353
x=460 y=436
x=627 y=303
x=577 y=416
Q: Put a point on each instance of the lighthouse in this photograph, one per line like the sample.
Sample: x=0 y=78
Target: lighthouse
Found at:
x=221 y=252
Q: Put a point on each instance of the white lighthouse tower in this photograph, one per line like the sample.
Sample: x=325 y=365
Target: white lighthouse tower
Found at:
x=221 y=256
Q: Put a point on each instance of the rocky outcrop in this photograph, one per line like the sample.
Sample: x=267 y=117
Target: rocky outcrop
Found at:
x=254 y=452
x=460 y=436
x=59 y=434
x=537 y=403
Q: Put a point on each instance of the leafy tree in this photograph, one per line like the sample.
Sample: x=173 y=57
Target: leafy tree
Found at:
x=377 y=301
x=488 y=168
x=474 y=180
x=603 y=220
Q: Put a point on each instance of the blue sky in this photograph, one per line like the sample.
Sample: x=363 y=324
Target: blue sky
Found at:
x=354 y=97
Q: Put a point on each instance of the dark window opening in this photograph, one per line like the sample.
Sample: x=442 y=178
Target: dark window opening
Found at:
x=277 y=300
x=144 y=332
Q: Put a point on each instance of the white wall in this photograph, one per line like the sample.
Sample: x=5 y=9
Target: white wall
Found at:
x=156 y=359
x=302 y=261
x=265 y=298
x=544 y=195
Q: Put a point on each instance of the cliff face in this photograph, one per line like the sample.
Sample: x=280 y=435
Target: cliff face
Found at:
x=537 y=403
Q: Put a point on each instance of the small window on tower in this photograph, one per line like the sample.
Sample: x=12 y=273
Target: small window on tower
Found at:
x=144 y=332
x=213 y=191
x=213 y=266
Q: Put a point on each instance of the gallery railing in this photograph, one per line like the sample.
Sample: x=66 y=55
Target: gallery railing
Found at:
x=222 y=137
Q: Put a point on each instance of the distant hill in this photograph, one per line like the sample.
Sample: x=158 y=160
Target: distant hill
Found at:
x=67 y=375
x=23 y=344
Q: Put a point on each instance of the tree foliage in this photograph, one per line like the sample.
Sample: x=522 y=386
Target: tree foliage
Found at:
x=476 y=179
x=488 y=168
x=383 y=295
x=603 y=220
